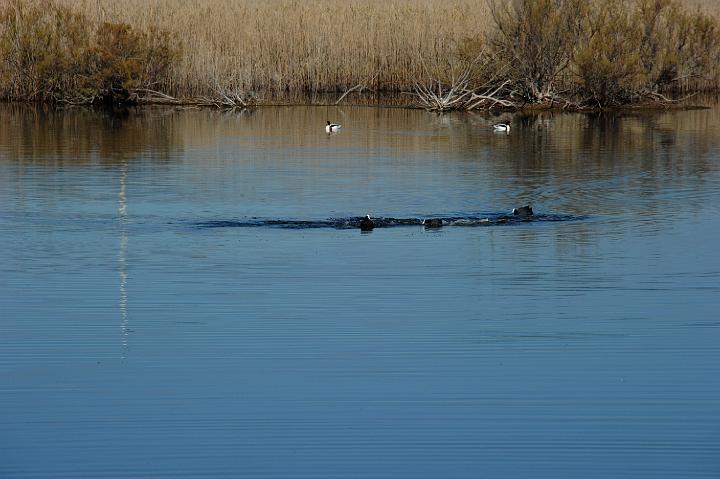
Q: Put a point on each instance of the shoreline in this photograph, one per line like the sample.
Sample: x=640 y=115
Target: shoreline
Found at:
x=516 y=56
x=381 y=101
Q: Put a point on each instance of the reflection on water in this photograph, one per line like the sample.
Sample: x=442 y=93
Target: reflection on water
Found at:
x=122 y=256
x=79 y=136
x=267 y=337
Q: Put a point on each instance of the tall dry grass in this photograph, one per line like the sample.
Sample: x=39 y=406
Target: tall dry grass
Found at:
x=281 y=46
x=711 y=7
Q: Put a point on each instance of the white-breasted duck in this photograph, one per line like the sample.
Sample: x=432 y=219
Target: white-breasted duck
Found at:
x=332 y=127
x=502 y=127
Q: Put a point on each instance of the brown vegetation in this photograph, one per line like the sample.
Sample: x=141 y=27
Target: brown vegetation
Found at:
x=52 y=53
x=538 y=40
x=591 y=54
x=451 y=53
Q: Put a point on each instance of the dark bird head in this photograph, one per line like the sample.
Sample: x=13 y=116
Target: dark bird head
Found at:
x=523 y=211
x=432 y=223
x=366 y=224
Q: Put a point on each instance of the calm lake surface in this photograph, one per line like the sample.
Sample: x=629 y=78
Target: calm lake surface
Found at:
x=166 y=312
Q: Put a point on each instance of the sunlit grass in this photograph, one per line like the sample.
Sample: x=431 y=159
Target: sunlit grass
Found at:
x=280 y=46
x=300 y=44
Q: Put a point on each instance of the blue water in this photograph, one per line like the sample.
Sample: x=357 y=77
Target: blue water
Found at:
x=165 y=311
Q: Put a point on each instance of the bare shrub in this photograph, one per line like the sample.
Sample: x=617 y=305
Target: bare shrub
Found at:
x=123 y=59
x=538 y=39
x=676 y=44
x=609 y=64
x=478 y=86
x=539 y=50
x=639 y=49
x=49 y=52
x=40 y=50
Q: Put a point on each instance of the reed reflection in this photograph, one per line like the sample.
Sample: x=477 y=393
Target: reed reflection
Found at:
x=44 y=135
x=573 y=161
x=568 y=162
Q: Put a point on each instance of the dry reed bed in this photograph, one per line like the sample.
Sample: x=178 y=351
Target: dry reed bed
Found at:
x=280 y=47
x=317 y=45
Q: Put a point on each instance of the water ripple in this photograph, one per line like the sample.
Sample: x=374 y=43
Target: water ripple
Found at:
x=493 y=219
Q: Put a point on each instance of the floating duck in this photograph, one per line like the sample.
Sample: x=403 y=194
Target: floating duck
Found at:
x=502 y=127
x=332 y=127
x=367 y=224
x=432 y=223
x=523 y=211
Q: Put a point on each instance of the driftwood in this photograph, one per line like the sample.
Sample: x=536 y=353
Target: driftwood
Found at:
x=144 y=95
x=359 y=87
x=460 y=94
x=224 y=98
x=230 y=99
x=77 y=100
x=481 y=100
